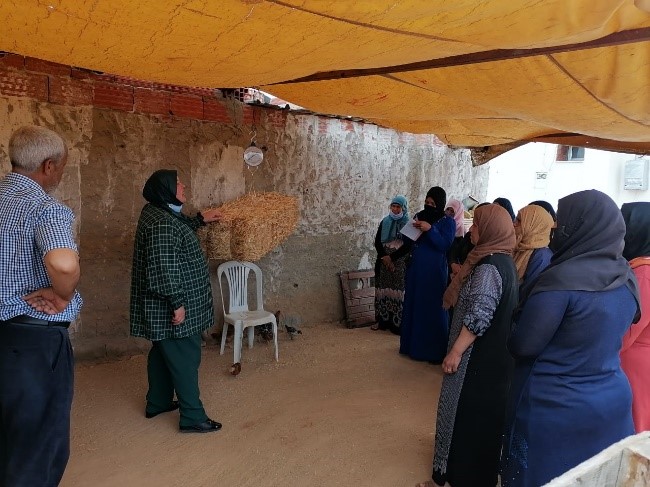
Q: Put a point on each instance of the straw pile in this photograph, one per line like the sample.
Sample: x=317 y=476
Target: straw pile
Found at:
x=252 y=226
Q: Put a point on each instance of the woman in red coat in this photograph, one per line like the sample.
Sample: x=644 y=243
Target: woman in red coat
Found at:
x=635 y=353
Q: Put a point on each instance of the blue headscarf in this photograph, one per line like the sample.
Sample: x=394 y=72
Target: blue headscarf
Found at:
x=390 y=227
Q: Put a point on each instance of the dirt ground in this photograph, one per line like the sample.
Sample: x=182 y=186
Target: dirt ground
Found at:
x=340 y=408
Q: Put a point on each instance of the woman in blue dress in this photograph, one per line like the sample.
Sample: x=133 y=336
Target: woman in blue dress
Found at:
x=569 y=398
x=425 y=325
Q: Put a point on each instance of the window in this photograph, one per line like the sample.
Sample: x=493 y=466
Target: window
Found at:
x=570 y=153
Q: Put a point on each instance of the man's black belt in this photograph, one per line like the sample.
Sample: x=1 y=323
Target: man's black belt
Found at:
x=28 y=320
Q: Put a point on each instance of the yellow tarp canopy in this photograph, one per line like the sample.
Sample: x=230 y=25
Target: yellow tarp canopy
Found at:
x=474 y=72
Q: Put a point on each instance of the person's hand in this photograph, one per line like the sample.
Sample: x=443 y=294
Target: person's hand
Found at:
x=179 y=316
x=46 y=301
x=455 y=268
x=422 y=225
x=211 y=215
x=451 y=362
x=388 y=262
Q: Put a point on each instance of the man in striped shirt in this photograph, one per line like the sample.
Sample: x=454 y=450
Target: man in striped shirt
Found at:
x=39 y=271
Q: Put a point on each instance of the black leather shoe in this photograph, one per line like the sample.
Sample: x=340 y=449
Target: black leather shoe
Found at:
x=208 y=426
x=174 y=406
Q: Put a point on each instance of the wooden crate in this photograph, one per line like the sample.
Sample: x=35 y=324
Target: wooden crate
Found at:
x=359 y=297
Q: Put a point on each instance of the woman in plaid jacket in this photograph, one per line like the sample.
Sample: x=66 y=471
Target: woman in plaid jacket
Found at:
x=171 y=300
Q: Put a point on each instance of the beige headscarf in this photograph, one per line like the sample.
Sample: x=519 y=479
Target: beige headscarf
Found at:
x=533 y=232
x=496 y=235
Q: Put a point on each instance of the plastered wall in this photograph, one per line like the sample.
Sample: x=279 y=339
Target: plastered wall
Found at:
x=342 y=172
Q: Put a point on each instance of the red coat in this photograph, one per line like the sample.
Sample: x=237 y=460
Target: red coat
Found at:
x=635 y=353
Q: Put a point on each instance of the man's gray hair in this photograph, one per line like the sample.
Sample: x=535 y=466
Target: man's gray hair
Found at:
x=30 y=146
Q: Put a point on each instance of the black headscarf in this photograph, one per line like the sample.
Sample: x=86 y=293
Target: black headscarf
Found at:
x=505 y=203
x=432 y=214
x=160 y=188
x=547 y=206
x=588 y=247
x=637 y=234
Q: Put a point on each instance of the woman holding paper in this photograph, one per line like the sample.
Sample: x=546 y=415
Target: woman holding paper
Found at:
x=390 y=267
x=425 y=327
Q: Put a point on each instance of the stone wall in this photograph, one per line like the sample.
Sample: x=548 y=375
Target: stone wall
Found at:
x=342 y=172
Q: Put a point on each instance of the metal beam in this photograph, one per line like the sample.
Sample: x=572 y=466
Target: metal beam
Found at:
x=618 y=38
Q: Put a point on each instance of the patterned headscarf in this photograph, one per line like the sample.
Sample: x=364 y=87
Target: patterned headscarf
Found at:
x=459 y=216
x=533 y=232
x=496 y=235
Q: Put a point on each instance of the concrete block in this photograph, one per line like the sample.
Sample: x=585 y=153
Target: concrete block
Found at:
x=624 y=464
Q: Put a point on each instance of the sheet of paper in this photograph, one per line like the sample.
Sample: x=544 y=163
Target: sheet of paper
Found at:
x=410 y=231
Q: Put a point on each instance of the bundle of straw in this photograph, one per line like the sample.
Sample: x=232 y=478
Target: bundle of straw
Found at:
x=252 y=226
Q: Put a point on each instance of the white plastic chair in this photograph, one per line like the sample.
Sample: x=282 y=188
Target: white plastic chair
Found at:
x=238 y=315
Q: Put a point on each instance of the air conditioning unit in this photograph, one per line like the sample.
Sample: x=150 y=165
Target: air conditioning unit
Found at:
x=635 y=176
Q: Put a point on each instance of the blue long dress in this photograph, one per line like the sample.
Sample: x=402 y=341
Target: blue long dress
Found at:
x=425 y=324
x=569 y=398
x=539 y=260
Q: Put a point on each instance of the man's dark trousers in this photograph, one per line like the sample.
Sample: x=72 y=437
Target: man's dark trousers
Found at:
x=36 y=388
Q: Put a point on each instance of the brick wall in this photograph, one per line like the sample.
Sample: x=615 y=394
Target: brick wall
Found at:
x=66 y=85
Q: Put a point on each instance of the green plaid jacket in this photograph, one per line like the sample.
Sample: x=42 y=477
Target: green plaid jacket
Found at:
x=169 y=271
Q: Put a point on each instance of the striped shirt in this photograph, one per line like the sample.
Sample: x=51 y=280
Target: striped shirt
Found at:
x=31 y=224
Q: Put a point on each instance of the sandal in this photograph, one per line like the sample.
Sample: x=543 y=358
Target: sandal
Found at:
x=374 y=326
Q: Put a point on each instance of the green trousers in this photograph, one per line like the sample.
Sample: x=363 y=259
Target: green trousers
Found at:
x=173 y=365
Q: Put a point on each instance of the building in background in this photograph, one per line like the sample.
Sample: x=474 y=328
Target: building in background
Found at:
x=548 y=172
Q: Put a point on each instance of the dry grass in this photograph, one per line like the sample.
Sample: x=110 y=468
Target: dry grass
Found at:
x=252 y=226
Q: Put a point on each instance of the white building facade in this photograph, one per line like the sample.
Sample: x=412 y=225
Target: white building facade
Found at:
x=548 y=172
